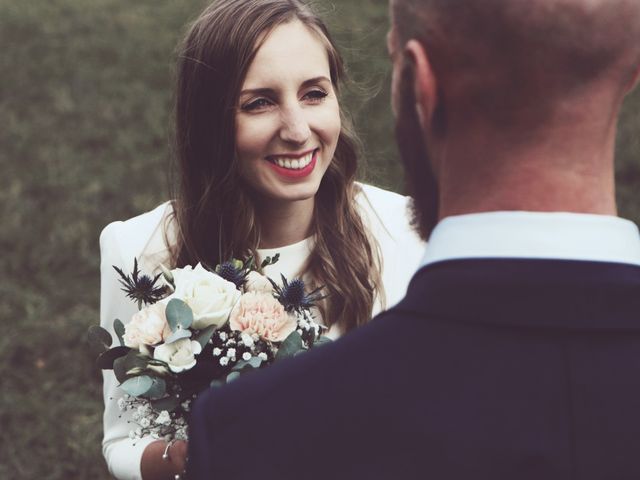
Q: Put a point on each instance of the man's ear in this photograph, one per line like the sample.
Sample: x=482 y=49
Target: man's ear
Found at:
x=425 y=86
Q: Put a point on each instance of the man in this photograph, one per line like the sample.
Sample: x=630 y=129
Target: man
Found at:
x=516 y=353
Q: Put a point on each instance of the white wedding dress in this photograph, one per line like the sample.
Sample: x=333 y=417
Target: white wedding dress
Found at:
x=143 y=237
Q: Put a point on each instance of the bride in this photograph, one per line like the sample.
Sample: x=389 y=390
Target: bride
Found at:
x=267 y=164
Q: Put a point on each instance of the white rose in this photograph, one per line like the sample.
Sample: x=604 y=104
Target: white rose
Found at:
x=179 y=355
x=209 y=296
x=147 y=327
x=258 y=283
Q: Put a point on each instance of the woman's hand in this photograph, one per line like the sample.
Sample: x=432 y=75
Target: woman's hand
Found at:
x=154 y=467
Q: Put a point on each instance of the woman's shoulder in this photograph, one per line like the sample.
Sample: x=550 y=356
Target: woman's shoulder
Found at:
x=143 y=236
x=381 y=199
x=388 y=216
x=385 y=210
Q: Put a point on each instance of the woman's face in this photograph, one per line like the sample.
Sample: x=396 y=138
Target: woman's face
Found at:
x=288 y=119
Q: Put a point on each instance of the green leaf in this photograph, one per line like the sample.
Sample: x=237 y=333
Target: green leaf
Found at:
x=179 y=315
x=158 y=389
x=270 y=261
x=217 y=383
x=137 y=386
x=291 y=345
x=205 y=335
x=99 y=338
x=145 y=386
x=105 y=359
x=118 y=327
x=322 y=340
x=251 y=364
x=123 y=366
x=179 y=334
x=166 y=403
x=168 y=276
x=232 y=376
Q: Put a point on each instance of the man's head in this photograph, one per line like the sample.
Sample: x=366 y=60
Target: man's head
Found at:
x=508 y=66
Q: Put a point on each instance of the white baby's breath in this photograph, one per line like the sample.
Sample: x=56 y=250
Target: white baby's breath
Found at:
x=247 y=340
x=163 y=418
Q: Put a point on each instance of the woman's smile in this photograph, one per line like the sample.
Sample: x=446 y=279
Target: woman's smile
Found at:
x=294 y=165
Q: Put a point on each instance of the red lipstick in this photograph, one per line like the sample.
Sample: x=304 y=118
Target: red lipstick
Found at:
x=296 y=173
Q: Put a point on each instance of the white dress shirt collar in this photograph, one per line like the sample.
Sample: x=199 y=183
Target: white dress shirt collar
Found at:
x=567 y=236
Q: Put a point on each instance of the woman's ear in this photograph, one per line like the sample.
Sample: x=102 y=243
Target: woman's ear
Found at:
x=425 y=85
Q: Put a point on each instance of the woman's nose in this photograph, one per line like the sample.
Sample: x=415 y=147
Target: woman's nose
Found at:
x=295 y=127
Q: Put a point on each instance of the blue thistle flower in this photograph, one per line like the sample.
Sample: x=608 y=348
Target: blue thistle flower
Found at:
x=140 y=288
x=293 y=293
x=293 y=297
x=231 y=273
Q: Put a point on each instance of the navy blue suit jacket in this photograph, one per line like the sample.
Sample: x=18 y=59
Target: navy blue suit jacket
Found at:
x=488 y=369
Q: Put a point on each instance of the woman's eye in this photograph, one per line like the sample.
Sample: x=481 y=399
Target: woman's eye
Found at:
x=316 y=95
x=259 y=104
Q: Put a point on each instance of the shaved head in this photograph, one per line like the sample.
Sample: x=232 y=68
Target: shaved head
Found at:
x=492 y=54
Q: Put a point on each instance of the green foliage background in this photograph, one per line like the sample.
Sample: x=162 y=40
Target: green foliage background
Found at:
x=85 y=118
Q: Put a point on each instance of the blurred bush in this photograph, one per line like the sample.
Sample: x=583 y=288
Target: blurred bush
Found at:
x=85 y=111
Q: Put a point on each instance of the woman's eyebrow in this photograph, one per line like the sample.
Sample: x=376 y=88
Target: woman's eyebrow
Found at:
x=313 y=80
x=258 y=91
x=271 y=91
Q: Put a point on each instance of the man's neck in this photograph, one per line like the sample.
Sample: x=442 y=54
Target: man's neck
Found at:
x=568 y=168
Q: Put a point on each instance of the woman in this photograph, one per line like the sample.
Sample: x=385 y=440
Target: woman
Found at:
x=267 y=165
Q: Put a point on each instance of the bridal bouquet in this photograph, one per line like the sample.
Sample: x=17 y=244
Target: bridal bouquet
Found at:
x=200 y=328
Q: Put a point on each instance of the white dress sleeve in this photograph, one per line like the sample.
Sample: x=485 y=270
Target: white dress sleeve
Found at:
x=122 y=454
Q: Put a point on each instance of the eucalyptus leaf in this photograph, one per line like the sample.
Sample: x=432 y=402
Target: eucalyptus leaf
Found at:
x=169 y=403
x=205 y=335
x=291 y=345
x=217 y=383
x=118 y=327
x=322 y=340
x=179 y=334
x=157 y=390
x=137 y=386
x=179 y=314
x=99 y=338
x=242 y=365
x=232 y=376
x=105 y=359
x=132 y=360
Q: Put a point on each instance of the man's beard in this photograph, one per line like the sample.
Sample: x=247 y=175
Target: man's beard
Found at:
x=420 y=181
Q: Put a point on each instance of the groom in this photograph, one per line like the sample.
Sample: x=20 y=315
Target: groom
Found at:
x=516 y=352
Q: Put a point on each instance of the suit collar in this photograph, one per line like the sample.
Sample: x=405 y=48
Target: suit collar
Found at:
x=540 y=294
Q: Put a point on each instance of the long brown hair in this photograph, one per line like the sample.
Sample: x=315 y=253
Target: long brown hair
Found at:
x=214 y=210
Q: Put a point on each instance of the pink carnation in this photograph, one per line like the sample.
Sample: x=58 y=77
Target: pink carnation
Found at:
x=263 y=315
